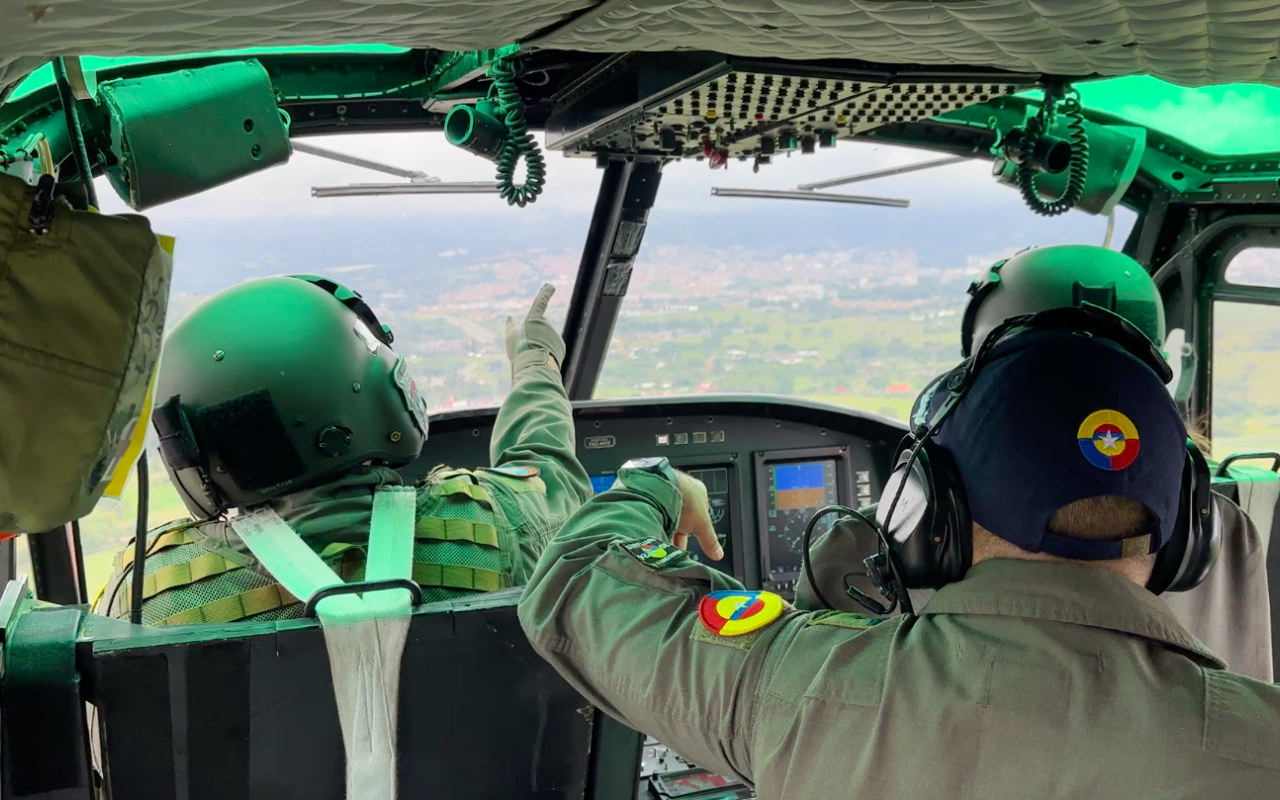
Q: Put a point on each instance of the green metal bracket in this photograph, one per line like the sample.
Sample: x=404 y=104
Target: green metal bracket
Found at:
x=453 y=70
x=44 y=748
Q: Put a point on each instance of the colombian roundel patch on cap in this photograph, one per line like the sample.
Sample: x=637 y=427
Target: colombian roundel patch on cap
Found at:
x=1108 y=440
x=732 y=612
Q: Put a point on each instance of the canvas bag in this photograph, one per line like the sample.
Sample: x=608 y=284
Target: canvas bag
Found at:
x=82 y=311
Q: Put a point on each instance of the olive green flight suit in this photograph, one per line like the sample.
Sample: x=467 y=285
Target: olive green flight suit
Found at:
x=477 y=530
x=1024 y=681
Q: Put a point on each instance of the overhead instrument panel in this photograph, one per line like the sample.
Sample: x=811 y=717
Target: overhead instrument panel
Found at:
x=718 y=108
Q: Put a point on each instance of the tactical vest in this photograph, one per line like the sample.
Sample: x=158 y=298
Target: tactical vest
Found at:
x=467 y=540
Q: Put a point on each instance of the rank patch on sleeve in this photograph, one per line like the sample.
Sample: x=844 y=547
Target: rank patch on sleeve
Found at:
x=653 y=553
x=845 y=619
x=733 y=612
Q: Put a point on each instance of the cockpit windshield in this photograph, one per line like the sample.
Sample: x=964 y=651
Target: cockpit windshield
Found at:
x=856 y=305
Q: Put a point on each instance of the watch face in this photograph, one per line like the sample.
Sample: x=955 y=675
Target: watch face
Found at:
x=651 y=463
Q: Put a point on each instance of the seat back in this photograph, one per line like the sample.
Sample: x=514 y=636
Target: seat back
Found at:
x=247 y=711
x=1256 y=492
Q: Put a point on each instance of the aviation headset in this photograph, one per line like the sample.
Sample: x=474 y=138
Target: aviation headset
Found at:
x=933 y=543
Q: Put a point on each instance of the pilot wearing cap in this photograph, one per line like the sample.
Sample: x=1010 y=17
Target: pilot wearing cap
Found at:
x=284 y=396
x=1045 y=668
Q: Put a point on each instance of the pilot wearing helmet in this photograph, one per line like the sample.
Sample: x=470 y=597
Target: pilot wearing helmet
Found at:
x=285 y=394
x=1230 y=608
x=1049 y=496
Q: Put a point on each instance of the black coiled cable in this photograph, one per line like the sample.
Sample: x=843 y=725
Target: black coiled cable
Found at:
x=520 y=142
x=1079 y=139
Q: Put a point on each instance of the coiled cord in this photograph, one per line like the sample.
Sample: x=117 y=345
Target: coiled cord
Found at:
x=1079 y=139
x=520 y=142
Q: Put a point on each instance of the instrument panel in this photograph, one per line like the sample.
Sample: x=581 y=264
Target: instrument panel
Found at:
x=768 y=464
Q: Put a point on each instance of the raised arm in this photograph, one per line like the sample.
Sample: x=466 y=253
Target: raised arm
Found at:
x=535 y=425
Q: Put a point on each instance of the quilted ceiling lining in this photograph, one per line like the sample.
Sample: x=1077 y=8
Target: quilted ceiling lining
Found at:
x=1193 y=42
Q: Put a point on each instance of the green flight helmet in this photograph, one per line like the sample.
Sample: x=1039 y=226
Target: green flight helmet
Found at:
x=1060 y=276
x=280 y=384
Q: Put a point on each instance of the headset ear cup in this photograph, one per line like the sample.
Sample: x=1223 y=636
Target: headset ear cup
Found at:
x=930 y=532
x=1185 y=561
x=951 y=536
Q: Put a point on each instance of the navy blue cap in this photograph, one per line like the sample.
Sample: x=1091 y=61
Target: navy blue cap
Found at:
x=1054 y=417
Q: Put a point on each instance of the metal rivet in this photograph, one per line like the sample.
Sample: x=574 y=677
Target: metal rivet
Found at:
x=218 y=355
x=299 y=420
x=355 y=387
x=396 y=436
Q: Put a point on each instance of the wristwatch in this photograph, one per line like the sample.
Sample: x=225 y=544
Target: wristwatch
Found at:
x=655 y=479
x=655 y=465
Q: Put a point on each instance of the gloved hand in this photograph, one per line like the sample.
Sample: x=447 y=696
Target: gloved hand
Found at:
x=536 y=333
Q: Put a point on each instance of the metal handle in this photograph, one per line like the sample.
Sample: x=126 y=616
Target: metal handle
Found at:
x=1231 y=459
x=361 y=586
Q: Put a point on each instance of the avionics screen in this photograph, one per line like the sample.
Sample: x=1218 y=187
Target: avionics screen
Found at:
x=602 y=483
x=796 y=490
x=718 y=481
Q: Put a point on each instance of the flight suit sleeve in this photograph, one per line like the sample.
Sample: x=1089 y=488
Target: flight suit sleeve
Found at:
x=535 y=429
x=614 y=608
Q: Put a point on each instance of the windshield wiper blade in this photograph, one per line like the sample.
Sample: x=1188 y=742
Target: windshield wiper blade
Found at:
x=883 y=173
x=372 y=189
x=794 y=194
x=356 y=161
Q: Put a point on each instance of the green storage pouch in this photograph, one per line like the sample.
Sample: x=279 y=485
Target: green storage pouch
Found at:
x=82 y=313
x=180 y=133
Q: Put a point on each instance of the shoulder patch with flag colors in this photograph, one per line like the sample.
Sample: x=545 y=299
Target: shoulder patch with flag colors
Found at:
x=733 y=612
x=1109 y=440
x=653 y=553
x=514 y=472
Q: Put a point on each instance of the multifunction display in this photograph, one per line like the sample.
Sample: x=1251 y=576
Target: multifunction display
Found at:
x=795 y=492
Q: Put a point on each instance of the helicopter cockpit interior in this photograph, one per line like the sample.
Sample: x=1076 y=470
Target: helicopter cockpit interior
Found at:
x=770 y=348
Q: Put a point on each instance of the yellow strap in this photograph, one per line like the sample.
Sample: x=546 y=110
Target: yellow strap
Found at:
x=162 y=542
x=234 y=608
x=452 y=577
x=457 y=530
x=461 y=486
x=176 y=576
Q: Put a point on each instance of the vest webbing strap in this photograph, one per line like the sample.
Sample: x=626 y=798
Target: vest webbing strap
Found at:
x=234 y=608
x=440 y=575
x=453 y=577
x=162 y=542
x=456 y=530
x=462 y=486
x=176 y=576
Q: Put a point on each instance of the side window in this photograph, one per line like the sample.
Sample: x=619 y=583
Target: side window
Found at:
x=1246 y=377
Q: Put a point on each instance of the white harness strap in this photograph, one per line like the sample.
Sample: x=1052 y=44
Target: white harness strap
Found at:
x=365 y=636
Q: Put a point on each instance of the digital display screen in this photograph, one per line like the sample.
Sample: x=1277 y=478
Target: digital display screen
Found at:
x=716 y=479
x=796 y=491
x=602 y=483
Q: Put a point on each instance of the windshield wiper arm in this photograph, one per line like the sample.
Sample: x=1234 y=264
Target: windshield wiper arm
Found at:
x=793 y=194
x=882 y=173
x=356 y=161
x=439 y=187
